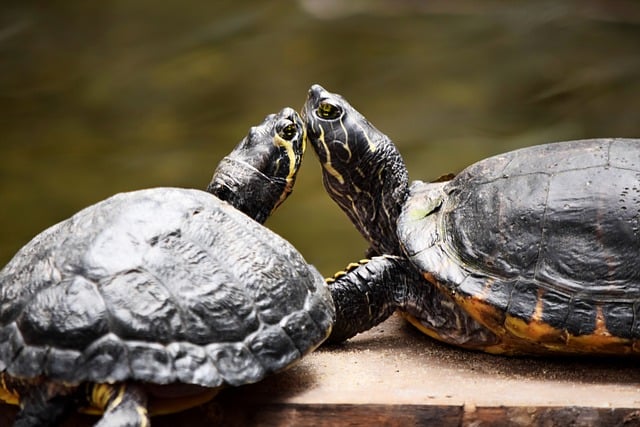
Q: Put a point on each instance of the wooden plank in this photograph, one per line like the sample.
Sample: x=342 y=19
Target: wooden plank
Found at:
x=393 y=375
x=543 y=417
x=237 y=414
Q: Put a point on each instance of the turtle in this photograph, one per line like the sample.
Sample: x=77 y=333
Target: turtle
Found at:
x=151 y=301
x=530 y=252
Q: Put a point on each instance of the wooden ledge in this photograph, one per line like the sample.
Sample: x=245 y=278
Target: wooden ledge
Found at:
x=393 y=375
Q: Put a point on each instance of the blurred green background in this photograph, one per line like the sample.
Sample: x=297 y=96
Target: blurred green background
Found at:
x=102 y=97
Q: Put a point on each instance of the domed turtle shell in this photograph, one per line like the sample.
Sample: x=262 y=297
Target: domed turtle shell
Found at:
x=162 y=285
x=165 y=286
x=542 y=241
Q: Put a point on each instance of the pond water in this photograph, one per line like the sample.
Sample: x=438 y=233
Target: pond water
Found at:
x=102 y=97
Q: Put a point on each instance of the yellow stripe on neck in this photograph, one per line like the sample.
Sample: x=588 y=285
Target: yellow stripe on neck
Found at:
x=327 y=163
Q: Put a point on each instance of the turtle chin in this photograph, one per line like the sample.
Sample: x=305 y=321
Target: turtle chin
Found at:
x=248 y=190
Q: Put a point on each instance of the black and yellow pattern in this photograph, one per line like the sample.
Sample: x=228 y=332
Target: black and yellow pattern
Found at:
x=529 y=252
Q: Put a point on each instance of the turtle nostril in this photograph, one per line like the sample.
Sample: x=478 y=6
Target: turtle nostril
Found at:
x=316 y=92
x=289 y=113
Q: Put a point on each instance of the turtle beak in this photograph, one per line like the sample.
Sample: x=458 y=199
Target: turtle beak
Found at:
x=315 y=95
x=290 y=114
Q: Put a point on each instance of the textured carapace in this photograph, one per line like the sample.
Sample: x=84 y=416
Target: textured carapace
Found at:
x=532 y=251
x=167 y=287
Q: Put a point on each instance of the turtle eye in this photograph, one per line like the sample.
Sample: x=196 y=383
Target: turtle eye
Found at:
x=328 y=111
x=288 y=131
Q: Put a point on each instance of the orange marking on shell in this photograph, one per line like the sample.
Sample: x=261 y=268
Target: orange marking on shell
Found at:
x=429 y=278
x=534 y=336
x=537 y=313
x=536 y=331
x=601 y=325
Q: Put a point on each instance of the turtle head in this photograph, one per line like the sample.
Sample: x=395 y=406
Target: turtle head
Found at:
x=363 y=171
x=259 y=174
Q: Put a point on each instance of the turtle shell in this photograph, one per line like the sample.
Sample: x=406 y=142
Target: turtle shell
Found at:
x=163 y=286
x=546 y=235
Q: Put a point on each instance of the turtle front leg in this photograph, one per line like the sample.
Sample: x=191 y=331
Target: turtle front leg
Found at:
x=124 y=405
x=368 y=293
